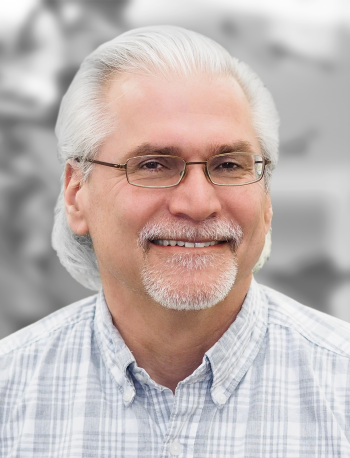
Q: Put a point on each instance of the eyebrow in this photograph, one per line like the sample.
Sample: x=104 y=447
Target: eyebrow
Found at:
x=147 y=148
x=236 y=147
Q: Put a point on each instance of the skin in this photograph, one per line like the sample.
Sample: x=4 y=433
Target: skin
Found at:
x=190 y=114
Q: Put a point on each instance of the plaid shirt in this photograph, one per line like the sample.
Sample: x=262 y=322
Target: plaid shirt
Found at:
x=275 y=385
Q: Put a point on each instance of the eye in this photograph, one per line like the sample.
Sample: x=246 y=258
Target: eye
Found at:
x=225 y=165
x=228 y=165
x=151 y=165
x=154 y=164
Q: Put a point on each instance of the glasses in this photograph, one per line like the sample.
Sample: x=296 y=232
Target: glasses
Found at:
x=164 y=171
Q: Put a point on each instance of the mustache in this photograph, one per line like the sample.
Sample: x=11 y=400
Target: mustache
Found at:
x=214 y=229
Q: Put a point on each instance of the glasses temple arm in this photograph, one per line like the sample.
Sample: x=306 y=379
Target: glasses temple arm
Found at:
x=107 y=164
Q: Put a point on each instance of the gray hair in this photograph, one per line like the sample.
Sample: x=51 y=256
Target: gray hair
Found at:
x=84 y=122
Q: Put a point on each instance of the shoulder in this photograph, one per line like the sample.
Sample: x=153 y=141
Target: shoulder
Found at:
x=64 y=321
x=319 y=329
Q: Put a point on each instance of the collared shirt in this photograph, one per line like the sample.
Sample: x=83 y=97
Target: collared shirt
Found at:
x=275 y=385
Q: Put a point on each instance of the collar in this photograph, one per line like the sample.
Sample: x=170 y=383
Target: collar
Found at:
x=116 y=355
x=224 y=364
x=235 y=351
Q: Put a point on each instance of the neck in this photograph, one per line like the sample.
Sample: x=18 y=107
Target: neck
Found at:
x=170 y=344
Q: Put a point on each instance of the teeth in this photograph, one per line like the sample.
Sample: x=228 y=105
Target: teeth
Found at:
x=185 y=244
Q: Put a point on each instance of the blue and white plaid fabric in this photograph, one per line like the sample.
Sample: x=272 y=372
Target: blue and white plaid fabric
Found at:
x=275 y=385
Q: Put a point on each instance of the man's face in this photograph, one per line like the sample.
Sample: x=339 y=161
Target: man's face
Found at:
x=194 y=118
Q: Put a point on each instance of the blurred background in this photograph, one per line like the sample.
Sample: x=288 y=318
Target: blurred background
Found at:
x=299 y=48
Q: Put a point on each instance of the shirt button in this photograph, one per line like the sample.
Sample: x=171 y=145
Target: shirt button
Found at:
x=221 y=399
x=219 y=396
x=175 y=448
x=128 y=394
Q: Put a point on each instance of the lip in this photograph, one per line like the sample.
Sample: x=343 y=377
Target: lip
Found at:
x=198 y=245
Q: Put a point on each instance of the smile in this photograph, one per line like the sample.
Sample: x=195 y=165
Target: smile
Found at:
x=186 y=244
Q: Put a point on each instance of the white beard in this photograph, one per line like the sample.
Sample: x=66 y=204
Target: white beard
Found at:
x=172 y=286
x=191 y=281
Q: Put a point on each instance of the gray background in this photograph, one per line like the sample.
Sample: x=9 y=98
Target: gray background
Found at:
x=301 y=51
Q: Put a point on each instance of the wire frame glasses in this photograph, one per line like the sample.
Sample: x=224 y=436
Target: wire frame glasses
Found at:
x=165 y=171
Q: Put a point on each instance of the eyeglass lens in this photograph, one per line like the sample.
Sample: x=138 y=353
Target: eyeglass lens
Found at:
x=225 y=169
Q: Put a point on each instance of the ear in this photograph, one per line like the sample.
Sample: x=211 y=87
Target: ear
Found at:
x=268 y=213
x=74 y=199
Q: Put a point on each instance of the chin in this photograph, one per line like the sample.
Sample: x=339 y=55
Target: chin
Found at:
x=190 y=282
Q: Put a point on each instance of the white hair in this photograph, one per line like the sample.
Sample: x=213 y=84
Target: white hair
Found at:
x=84 y=121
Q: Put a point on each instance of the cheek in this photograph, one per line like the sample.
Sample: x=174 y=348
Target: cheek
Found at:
x=248 y=209
x=135 y=208
x=117 y=216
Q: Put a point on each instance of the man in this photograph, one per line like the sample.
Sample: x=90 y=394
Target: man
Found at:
x=169 y=144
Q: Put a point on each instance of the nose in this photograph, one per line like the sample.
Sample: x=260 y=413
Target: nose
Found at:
x=196 y=197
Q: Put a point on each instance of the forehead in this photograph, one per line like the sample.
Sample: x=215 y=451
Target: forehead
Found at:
x=190 y=113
